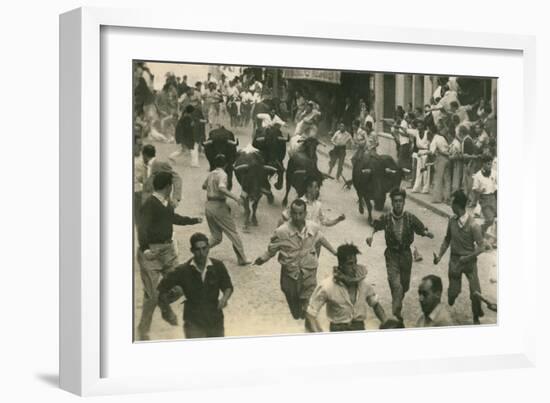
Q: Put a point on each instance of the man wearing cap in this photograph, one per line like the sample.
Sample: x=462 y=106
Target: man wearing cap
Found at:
x=346 y=294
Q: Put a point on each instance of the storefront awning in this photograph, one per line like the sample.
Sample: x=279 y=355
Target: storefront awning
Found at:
x=312 y=75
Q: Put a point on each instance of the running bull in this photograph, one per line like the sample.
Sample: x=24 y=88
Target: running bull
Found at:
x=252 y=174
x=303 y=164
x=373 y=177
x=222 y=141
x=272 y=145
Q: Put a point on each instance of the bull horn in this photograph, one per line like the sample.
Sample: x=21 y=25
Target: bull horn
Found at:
x=281 y=138
x=366 y=170
x=239 y=167
x=261 y=139
x=232 y=142
x=406 y=170
x=300 y=171
x=390 y=171
x=270 y=168
x=207 y=142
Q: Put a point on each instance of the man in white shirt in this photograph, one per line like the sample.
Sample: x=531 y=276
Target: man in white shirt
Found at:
x=439 y=147
x=434 y=314
x=421 y=146
x=308 y=119
x=485 y=190
x=270 y=119
x=346 y=294
x=340 y=139
x=403 y=134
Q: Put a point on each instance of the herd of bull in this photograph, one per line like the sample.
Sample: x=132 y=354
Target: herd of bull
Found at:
x=256 y=164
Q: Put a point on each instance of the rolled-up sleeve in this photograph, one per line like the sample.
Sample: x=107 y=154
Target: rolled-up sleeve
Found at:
x=273 y=247
x=372 y=298
x=317 y=300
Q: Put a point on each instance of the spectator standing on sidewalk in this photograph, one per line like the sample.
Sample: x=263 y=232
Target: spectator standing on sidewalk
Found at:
x=469 y=158
x=455 y=159
x=402 y=133
x=421 y=147
x=439 y=148
x=485 y=191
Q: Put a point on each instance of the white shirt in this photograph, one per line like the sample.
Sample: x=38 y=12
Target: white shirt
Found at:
x=161 y=198
x=422 y=143
x=403 y=137
x=340 y=307
x=232 y=92
x=483 y=184
x=439 y=145
x=202 y=272
x=406 y=138
x=369 y=118
x=246 y=96
x=149 y=165
x=268 y=121
x=314 y=212
x=462 y=220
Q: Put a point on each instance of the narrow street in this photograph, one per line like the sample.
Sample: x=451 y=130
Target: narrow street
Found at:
x=258 y=306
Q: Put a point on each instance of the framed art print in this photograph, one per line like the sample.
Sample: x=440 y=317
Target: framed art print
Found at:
x=260 y=194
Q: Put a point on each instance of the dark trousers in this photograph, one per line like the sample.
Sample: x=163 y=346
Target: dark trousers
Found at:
x=337 y=154
x=195 y=331
x=456 y=270
x=404 y=156
x=298 y=291
x=398 y=266
x=347 y=327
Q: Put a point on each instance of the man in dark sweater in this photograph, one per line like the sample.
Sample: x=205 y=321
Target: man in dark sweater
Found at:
x=399 y=227
x=202 y=280
x=466 y=241
x=157 y=254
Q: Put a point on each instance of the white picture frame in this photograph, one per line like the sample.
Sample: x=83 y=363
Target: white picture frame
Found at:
x=84 y=252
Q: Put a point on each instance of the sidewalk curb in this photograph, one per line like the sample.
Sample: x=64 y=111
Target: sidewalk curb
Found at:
x=433 y=208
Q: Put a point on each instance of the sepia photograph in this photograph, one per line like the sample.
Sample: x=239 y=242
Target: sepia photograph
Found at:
x=280 y=201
